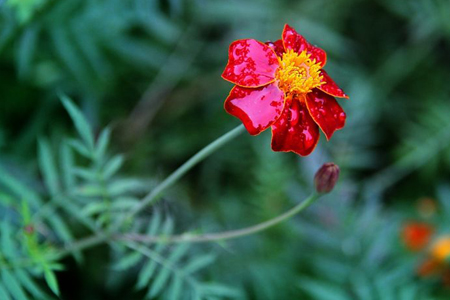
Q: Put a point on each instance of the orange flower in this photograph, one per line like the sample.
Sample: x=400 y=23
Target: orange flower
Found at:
x=416 y=235
x=439 y=255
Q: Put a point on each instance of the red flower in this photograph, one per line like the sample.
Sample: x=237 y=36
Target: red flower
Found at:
x=416 y=235
x=282 y=85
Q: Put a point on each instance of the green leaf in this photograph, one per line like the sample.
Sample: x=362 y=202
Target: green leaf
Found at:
x=164 y=275
x=94 y=208
x=124 y=186
x=199 y=263
x=102 y=143
x=215 y=289
x=112 y=166
x=8 y=248
x=13 y=286
x=79 y=147
x=81 y=124
x=51 y=280
x=3 y=293
x=29 y=285
x=48 y=168
x=86 y=174
x=26 y=49
x=19 y=189
x=67 y=165
x=127 y=261
x=175 y=288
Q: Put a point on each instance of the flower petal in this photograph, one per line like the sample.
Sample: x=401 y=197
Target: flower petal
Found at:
x=295 y=130
x=330 y=87
x=277 y=47
x=293 y=40
x=250 y=64
x=257 y=108
x=325 y=111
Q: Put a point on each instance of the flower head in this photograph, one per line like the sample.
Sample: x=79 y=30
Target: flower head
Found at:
x=282 y=85
x=416 y=235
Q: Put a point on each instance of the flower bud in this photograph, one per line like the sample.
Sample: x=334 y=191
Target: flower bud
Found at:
x=326 y=178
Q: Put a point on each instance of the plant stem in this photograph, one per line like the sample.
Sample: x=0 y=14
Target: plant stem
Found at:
x=186 y=237
x=208 y=237
x=173 y=178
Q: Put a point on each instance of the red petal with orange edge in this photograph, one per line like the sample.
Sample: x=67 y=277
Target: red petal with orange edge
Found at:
x=330 y=87
x=295 y=130
x=250 y=64
x=257 y=108
x=293 y=40
x=277 y=46
x=325 y=111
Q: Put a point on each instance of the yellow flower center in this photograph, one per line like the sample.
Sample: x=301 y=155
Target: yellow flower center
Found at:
x=298 y=74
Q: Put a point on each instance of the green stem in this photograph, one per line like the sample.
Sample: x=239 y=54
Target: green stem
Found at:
x=208 y=237
x=186 y=237
x=173 y=178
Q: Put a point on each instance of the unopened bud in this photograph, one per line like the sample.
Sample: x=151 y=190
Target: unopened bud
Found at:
x=326 y=178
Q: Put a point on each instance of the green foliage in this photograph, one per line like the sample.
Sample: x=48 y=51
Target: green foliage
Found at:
x=149 y=72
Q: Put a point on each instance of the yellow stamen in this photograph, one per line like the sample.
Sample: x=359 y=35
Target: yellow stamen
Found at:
x=298 y=74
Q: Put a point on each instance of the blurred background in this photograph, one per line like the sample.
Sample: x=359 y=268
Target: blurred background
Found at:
x=150 y=70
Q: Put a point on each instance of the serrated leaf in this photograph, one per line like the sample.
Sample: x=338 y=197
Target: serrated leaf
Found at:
x=81 y=124
x=48 y=168
x=51 y=280
x=13 y=286
x=112 y=166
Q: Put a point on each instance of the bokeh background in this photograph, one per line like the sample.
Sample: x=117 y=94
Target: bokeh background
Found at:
x=150 y=70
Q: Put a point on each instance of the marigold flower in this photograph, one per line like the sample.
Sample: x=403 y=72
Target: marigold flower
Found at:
x=438 y=260
x=416 y=235
x=282 y=85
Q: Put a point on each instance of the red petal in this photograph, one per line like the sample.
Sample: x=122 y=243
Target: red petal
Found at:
x=257 y=108
x=250 y=64
x=293 y=40
x=295 y=130
x=325 y=111
x=277 y=47
x=330 y=87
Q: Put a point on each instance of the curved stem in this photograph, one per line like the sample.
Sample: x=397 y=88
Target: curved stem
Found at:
x=208 y=237
x=173 y=178
x=186 y=237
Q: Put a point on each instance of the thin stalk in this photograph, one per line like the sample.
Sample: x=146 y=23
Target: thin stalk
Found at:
x=96 y=240
x=209 y=237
